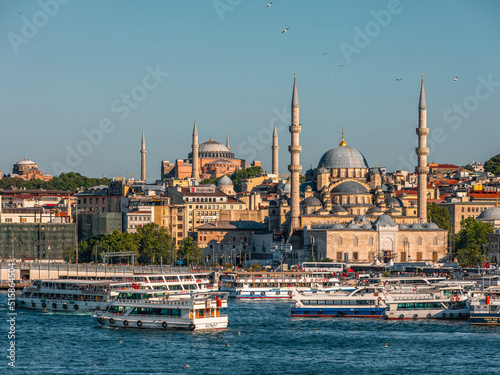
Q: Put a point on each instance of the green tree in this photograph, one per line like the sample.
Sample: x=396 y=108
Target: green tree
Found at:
x=493 y=165
x=154 y=244
x=242 y=174
x=65 y=181
x=472 y=236
x=189 y=251
x=439 y=216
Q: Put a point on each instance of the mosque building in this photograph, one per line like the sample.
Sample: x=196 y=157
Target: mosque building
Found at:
x=344 y=211
x=210 y=159
x=27 y=170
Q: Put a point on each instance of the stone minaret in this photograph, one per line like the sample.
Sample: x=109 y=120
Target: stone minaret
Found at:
x=195 y=164
x=294 y=166
x=227 y=142
x=143 y=157
x=275 y=148
x=422 y=152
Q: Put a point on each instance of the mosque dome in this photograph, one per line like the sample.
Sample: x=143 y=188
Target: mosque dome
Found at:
x=343 y=157
x=361 y=219
x=25 y=162
x=213 y=149
x=311 y=201
x=225 y=181
x=394 y=202
x=349 y=187
x=432 y=226
x=304 y=186
x=492 y=213
x=384 y=221
x=352 y=226
x=403 y=226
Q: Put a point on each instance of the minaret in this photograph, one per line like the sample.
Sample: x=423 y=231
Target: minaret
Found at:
x=227 y=142
x=275 y=148
x=143 y=157
x=294 y=166
x=195 y=168
x=422 y=152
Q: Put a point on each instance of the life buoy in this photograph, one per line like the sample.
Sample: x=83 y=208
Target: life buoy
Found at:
x=238 y=293
x=75 y=307
x=238 y=280
x=340 y=312
x=252 y=293
x=192 y=327
x=54 y=305
x=33 y=304
x=65 y=306
x=278 y=293
x=44 y=305
x=415 y=316
x=429 y=316
x=101 y=318
x=306 y=312
x=452 y=299
x=290 y=293
x=139 y=323
x=97 y=308
x=373 y=312
x=253 y=280
x=125 y=322
x=401 y=316
x=380 y=298
x=356 y=312
x=457 y=299
x=111 y=321
x=451 y=315
x=164 y=324
x=262 y=293
x=319 y=312
x=246 y=280
x=444 y=315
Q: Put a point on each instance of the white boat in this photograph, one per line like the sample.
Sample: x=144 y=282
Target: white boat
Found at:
x=70 y=295
x=486 y=307
x=86 y=295
x=278 y=284
x=432 y=303
x=197 y=311
x=364 y=302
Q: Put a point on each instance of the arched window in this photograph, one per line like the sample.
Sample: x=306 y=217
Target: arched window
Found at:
x=370 y=241
x=435 y=241
x=339 y=241
x=355 y=241
x=405 y=240
x=419 y=241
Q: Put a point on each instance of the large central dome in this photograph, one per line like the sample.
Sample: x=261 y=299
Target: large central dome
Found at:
x=212 y=146
x=342 y=157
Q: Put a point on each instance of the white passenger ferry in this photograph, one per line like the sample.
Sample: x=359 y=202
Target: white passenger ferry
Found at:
x=364 y=302
x=433 y=303
x=197 y=311
x=486 y=307
x=86 y=295
x=278 y=284
x=70 y=295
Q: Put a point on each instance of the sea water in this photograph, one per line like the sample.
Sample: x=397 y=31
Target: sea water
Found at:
x=262 y=338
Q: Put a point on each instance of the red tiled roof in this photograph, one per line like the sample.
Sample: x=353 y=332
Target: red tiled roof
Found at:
x=446 y=182
x=443 y=166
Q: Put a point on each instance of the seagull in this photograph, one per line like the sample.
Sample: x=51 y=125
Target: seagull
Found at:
x=227 y=344
x=285 y=30
x=398 y=79
x=185 y=367
x=455 y=79
x=268 y=5
x=95 y=364
x=239 y=332
x=326 y=53
x=341 y=65
x=386 y=344
x=442 y=66
x=316 y=329
x=120 y=341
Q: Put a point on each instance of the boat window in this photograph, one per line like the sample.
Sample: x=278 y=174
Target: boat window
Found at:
x=313 y=302
x=321 y=302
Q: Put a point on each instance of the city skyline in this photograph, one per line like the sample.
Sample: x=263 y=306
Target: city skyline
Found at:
x=100 y=77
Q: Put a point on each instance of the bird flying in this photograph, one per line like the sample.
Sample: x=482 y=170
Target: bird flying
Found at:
x=455 y=79
x=285 y=30
x=185 y=367
x=341 y=65
x=268 y=5
x=398 y=79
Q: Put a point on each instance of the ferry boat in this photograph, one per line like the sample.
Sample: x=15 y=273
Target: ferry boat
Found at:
x=197 y=311
x=486 y=307
x=70 y=295
x=278 y=284
x=86 y=295
x=363 y=302
x=434 y=303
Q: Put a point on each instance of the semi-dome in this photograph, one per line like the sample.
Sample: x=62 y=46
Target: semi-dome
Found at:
x=311 y=201
x=384 y=221
x=394 y=202
x=225 y=181
x=349 y=187
x=305 y=185
x=338 y=208
x=352 y=226
x=492 y=213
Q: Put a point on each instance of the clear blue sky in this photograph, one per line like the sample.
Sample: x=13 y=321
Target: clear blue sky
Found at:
x=230 y=67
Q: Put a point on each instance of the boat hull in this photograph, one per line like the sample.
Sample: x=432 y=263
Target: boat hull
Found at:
x=363 y=312
x=162 y=323
x=453 y=314
x=59 y=305
x=485 y=319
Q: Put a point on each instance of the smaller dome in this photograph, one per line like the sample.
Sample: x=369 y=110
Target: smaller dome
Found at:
x=338 y=208
x=374 y=209
x=225 y=181
x=492 y=213
x=361 y=219
x=335 y=226
x=416 y=226
x=384 y=221
x=310 y=172
x=304 y=186
x=322 y=170
x=403 y=194
x=432 y=226
x=349 y=187
x=366 y=226
x=394 y=202
x=352 y=226
x=311 y=201
x=403 y=227
x=392 y=210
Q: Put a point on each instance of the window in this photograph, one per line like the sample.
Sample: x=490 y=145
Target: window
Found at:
x=90 y=200
x=434 y=256
x=339 y=242
x=339 y=256
x=370 y=241
x=355 y=241
x=355 y=255
x=403 y=257
x=419 y=241
x=8 y=220
x=435 y=241
x=24 y=220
